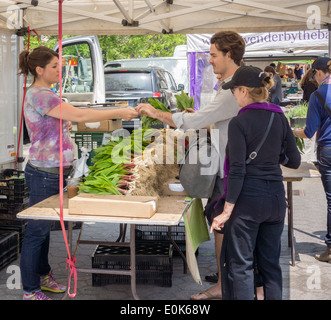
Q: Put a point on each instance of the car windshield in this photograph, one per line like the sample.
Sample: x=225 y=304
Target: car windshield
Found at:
x=127 y=81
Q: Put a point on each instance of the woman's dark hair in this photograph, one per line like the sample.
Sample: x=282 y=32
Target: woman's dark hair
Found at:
x=230 y=41
x=270 y=69
x=306 y=79
x=39 y=57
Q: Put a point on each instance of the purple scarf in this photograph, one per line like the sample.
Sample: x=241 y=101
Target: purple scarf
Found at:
x=254 y=106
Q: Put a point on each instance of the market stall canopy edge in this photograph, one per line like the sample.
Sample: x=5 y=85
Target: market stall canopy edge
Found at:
x=82 y=17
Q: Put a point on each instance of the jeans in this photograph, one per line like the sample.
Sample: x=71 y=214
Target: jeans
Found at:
x=34 y=254
x=324 y=163
x=253 y=235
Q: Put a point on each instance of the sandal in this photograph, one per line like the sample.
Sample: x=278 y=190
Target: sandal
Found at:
x=208 y=296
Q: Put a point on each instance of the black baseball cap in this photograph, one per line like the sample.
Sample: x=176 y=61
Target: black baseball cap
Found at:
x=321 y=63
x=247 y=76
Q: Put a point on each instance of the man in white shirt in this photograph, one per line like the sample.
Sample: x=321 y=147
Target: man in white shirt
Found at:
x=226 y=52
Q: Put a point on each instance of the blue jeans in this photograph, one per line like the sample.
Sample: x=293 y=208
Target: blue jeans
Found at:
x=324 y=162
x=253 y=234
x=34 y=254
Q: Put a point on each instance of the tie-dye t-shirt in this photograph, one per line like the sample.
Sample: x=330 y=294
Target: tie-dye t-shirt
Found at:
x=44 y=131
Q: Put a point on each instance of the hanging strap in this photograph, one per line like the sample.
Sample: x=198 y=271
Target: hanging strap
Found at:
x=253 y=154
x=323 y=102
x=71 y=260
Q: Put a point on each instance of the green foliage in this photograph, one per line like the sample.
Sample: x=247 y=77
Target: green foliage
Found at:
x=125 y=47
x=139 y=46
x=157 y=104
x=184 y=101
x=300 y=144
x=47 y=41
x=111 y=171
x=298 y=111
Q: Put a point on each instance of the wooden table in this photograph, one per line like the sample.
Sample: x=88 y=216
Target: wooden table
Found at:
x=306 y=170
x=169 y=212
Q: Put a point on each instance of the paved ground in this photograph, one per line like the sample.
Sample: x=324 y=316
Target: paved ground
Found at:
x=309 y=279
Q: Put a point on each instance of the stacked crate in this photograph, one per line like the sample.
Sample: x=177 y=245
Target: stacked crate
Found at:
x=152 y=233
x=153 y=264
x=8 y=247
x=14 y=197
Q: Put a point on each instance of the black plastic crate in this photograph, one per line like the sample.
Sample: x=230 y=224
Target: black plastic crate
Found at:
x=160 y=233
x=13 y=185
x=18 y=225
x=9 y=210
x=9 y=247
x=14 y=195
x=8 y=196
x=153 y=264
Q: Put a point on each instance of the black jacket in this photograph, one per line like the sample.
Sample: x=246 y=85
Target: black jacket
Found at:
x=245 y=133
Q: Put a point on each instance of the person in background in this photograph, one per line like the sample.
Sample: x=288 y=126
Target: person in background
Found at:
x=255 y=206
x=319 y=120
x=42 y=114
x=298 y=72
x=290 y=73
x=276 y=92
x=308 y=85
x=226 y=52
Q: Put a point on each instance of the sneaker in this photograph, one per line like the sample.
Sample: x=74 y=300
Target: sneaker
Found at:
x=35 y=296
x=48 y=283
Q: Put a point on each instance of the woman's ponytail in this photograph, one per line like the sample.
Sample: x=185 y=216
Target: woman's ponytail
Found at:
x=23 y=62
x=268 y=82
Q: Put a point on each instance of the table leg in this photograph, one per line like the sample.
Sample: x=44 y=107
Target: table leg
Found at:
x=121 y=236
x=133 y=260
x=290 y=220
x=178 y=249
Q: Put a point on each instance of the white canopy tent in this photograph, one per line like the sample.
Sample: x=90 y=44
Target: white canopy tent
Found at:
x=164 y=16
x=81 y=17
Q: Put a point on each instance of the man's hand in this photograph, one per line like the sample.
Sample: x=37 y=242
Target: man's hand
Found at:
x=145 y=109
x=128 y=113
x=300 y=133
x=189 y=110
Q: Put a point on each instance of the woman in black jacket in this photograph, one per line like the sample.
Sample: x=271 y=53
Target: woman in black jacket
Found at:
x=254 y=209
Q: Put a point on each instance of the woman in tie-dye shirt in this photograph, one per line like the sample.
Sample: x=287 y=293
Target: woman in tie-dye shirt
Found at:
x=42 y=114
x=44 y=130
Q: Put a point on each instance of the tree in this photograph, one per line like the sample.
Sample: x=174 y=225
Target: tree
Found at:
x=125 y=47
x=140 y=46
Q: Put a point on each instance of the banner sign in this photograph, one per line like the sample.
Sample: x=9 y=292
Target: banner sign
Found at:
x=267 y=40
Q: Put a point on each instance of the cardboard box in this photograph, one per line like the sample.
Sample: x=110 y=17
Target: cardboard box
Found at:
x=102 y=126
x=112 y=205
x=114 y=124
